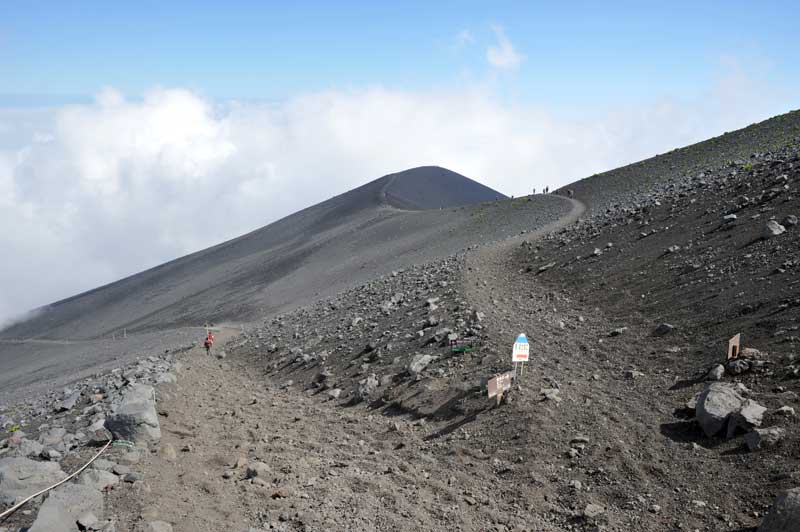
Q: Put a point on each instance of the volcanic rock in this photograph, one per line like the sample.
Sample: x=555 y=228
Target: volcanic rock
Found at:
x=64 y=506
x=714 y=405
x=20 y=477
x=764 y=438
x=784 y=516
x=772 y=229
x=136 y=419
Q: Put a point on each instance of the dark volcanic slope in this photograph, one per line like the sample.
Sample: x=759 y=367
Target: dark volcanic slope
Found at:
x=321 y=249
x=431 y=187
x=618 y=186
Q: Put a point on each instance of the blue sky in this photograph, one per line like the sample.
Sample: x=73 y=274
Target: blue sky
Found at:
x=575 y=52
x=113 y=109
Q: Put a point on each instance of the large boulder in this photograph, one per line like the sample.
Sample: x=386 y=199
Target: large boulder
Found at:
x=64 y=506
x=136 y=419
x=784 y=516
x=714 y=405
x=21 y=477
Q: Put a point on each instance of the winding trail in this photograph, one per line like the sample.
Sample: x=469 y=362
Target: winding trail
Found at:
x=327 y=467
x=491 y=280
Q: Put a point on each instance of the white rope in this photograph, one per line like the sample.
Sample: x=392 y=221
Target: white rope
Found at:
x=57 y=484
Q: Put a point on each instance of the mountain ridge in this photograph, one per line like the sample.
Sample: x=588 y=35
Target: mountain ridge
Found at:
x=242 y=261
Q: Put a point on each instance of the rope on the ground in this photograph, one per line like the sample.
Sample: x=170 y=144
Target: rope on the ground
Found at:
x=19 y=505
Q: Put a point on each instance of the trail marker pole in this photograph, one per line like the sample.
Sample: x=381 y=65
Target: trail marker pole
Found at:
x=520 y=353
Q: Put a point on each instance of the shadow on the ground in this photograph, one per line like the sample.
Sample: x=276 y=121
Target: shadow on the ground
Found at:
x=688 y=383
x=684 y=432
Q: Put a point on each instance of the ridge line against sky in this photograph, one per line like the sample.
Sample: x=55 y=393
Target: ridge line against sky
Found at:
x=514 y=97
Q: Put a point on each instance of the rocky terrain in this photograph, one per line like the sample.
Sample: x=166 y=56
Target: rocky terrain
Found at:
x=367 y=409
x=56 y=433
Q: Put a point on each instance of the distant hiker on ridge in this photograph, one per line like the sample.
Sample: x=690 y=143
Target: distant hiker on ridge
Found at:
x=209 y=342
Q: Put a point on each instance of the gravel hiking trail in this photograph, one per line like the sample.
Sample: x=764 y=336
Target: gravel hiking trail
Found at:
x=316 y=466
x=238 y=450
x=577 y=445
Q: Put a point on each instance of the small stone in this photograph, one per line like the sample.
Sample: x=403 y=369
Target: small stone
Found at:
x=790 y=220
x=68 y=403
x=618 y=331
x=159 y=526
x=551 y=394
x=120 y=470
x=419 y=363
x=662 y=329
x=87 y=521
x=593 y=510
x=167 y=452
x=257 y=469
x=772 y=229
x=166 y=378
x=716 y=373
x=132 y=477
x=738 y=366
x=787 y=411
x=764 y=438
x=98 y=479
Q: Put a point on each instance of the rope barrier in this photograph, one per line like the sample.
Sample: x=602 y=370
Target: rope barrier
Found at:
x=19 y=505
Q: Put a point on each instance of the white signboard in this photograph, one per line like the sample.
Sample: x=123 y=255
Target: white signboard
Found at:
x=522 y=349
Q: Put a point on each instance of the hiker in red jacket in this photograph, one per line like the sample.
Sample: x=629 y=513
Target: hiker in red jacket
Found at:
x=209 y=342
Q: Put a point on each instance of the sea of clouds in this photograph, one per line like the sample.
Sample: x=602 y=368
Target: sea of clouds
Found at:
x=91 y=193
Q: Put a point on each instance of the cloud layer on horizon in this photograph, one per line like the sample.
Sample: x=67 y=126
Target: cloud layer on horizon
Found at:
x=91 y=193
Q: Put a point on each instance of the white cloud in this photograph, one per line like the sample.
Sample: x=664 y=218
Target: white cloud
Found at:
x=502 y=54
x=91 y=193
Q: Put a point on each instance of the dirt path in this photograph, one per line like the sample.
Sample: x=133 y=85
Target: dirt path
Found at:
x=613 y=399
x=327 y=467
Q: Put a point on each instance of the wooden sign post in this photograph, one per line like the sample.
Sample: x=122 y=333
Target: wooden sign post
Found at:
x=734 y=346
x=499 y=385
